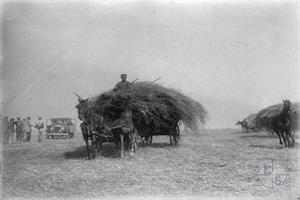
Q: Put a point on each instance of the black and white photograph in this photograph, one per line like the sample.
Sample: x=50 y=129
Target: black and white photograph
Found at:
x=150 y=99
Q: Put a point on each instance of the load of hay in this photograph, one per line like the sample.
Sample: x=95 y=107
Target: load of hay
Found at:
x=152 y=105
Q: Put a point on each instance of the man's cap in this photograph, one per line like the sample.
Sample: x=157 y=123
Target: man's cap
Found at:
x=28 y=118
x=123 y=75
x=40 y=118
x=18 y=117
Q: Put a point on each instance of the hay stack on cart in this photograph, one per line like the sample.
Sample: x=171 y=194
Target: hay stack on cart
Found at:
x=153 y=106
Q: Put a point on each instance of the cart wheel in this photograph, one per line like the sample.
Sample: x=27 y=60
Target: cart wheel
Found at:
x=149 y=139
x=71 y=135
x=171 y=140
x=177 y=136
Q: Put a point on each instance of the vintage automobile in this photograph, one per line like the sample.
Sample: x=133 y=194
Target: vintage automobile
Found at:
x=60 y=128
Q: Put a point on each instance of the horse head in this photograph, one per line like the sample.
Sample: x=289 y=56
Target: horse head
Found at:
x=286 y=106
x=238 y=122
x=82 y=107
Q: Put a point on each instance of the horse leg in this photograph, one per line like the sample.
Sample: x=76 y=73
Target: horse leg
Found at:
x=122 y=145
x=285 y=139
x=131 y=143
x=133 y=136
x=279 y=135
x=85 y=134
x=87 y=148
x=291 y=138
x=128 y=142
x=99 y=144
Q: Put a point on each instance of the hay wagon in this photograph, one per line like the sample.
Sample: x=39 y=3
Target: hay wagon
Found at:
x=156 y=110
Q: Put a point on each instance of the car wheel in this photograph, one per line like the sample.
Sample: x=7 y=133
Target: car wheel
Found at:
x=71 y=135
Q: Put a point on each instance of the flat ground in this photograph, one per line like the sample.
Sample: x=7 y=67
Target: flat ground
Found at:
x=208 y=163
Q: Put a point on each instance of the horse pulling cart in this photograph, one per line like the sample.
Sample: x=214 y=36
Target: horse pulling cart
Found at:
x=126 y=135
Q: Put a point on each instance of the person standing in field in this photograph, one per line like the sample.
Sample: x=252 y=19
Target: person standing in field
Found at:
x=123 y=85
x=40 y=127
x=24 y=130
x=11 y=131
x=19 y=129
x=27 y=130
x=4 y=130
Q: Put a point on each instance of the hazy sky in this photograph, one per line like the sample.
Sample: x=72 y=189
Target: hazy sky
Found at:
x=234 y=58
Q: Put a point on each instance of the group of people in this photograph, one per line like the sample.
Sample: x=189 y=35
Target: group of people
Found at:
x=19 y=130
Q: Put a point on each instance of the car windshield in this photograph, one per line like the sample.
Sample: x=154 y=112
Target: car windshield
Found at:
x=61 y=122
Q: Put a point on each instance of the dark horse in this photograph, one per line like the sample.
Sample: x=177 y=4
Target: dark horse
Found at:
x=88 y=125
x=123 y=129
x=246 y=126
x=281 y=124
x=242 y=125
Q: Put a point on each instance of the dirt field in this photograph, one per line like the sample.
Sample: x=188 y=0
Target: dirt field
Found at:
x=210 y=163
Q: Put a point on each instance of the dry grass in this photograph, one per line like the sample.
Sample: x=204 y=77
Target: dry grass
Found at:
x=152 y=105
x=209 y=163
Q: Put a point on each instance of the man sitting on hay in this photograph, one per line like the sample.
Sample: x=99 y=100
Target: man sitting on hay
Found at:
x=124 y=84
